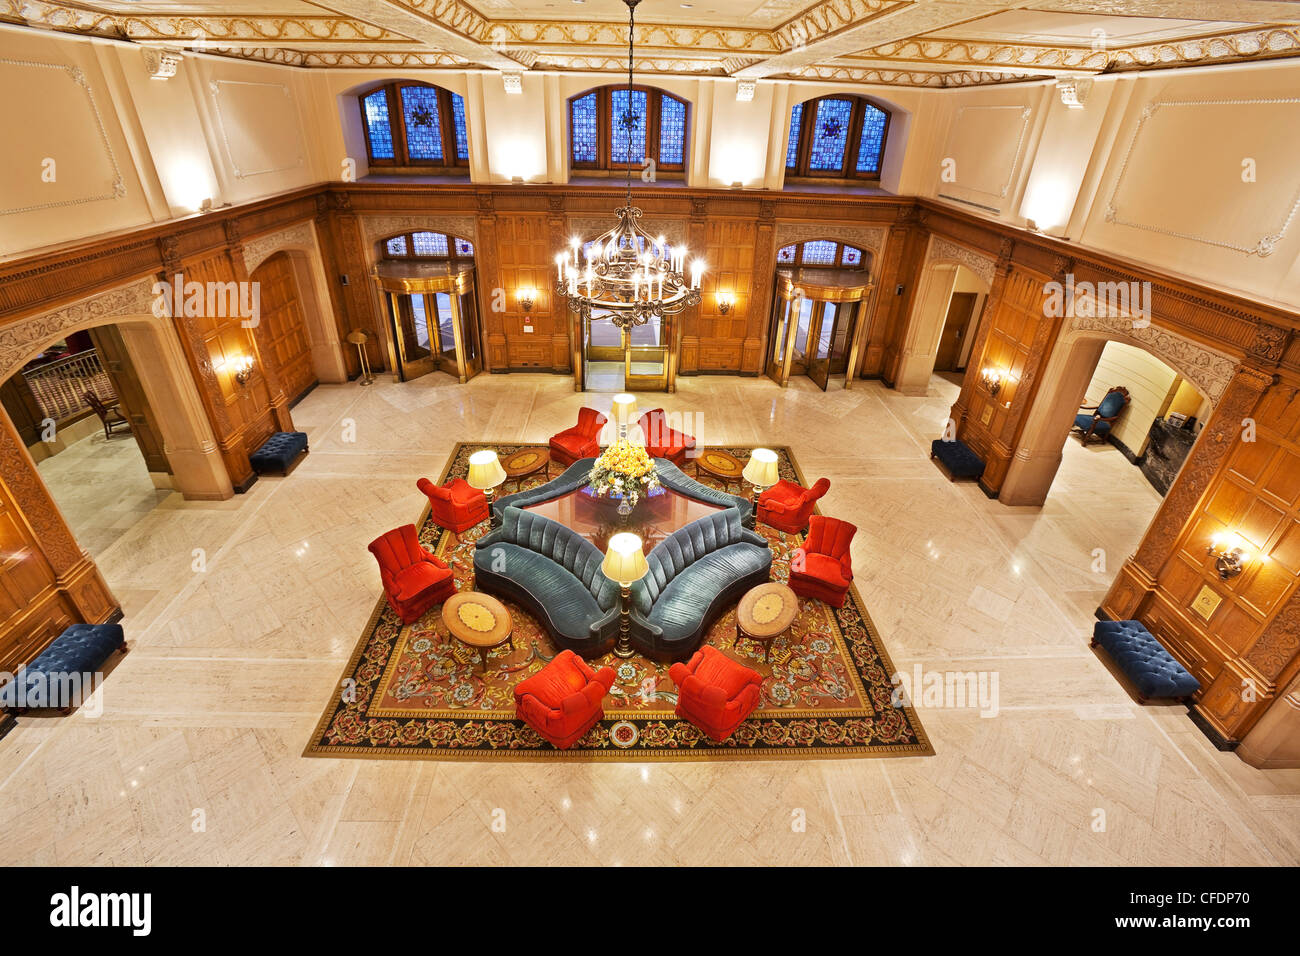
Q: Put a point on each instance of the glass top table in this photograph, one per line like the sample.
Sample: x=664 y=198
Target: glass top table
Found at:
x=596 y=518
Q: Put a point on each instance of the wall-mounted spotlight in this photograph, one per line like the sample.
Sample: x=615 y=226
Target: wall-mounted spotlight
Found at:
x=725 y=301
x=244 y=370
x=1230 y=552
x=527 y=299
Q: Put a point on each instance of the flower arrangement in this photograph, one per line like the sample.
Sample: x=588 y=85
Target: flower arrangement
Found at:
x=624 y=470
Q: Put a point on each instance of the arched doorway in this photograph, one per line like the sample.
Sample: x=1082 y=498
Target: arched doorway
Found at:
x=818 y=318
x=1066 y=379
x=154 y=349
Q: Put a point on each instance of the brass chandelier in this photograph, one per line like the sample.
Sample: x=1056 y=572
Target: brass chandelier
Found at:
x=626 y=272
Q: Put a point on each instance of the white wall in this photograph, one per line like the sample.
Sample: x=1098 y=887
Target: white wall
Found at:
x=1150 y=383
x=1150 y=168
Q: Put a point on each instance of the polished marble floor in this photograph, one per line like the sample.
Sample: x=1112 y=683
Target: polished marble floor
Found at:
x=241 y=615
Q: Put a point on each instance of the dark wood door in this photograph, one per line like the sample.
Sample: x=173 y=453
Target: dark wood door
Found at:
x=130 y=396
x=955 y=329
x=284 y=325
x=23 y=408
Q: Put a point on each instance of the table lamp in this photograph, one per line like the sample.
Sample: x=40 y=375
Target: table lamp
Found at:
x=624 y=562
x=760 y=471
x=624 y=411
x=485 y=473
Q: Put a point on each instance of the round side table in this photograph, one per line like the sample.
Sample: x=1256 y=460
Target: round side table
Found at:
x=764 y=614
x=526 y=461
x=721 y=465
x=479 y=621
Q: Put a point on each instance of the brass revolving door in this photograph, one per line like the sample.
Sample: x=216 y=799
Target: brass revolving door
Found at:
x=433 y=319
x=817 y=325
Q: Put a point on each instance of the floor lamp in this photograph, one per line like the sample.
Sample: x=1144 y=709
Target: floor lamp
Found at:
x=359 y=338
x=625 y=563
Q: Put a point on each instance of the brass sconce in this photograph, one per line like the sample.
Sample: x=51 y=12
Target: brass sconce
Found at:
x=992 y=379
x=725 y=301
x=244 y=370
x=527 y=299
x=1230 y=553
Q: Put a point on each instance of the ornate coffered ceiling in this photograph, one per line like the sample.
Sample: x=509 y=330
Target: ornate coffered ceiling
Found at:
x=929 y=43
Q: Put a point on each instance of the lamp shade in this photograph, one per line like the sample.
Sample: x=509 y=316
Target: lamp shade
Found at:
x=624 y=408
x=624 y=560
x=485 y=470
x=760 y=471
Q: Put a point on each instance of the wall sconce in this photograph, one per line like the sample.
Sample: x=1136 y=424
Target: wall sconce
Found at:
x=992 y=379
x=244 y=370
x=725 y=301
x=527 y=299
x=1230 y=553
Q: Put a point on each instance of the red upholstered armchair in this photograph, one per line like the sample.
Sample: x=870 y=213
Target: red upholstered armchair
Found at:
x=787 y=506
x=414 y=579
x=455 y=506
x=662 y=441
x=714 y=692
x=823 y=567
x=562 y=700
x=581 y=441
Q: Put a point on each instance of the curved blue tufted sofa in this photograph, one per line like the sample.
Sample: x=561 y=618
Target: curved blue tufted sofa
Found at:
x=48 y=681
x=695 y=574
x=1144 y=660
x=555 y=574
x=670 y=476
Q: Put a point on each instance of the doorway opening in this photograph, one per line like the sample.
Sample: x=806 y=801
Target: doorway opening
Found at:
x=816 y=327
x=81 y=410
x=944 y=325
x=428 y=282
x=619 y=360
x=1152 y=419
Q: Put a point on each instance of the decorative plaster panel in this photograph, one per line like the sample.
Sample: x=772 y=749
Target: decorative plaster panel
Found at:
x=116 y=188
x=244 y=164
x=1263 y=235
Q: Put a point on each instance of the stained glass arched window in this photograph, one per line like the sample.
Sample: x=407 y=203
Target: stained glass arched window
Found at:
x=415 y=124
x=822 y=253
x=426 y=244
x=839 y=136
x=608 y=129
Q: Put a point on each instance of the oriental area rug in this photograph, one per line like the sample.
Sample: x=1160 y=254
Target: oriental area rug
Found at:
x=414 y=692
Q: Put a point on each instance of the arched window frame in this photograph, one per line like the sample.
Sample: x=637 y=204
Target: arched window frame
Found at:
x=800 y=145
x=459 y=249
x=605 y=132
x=451 y=158
x=843 y=250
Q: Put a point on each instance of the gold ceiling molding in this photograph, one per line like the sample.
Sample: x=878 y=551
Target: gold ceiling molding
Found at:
x=507 y=34
x=256 y=29
x=828 y=18
x=969 y=53
x=53 y=16
x=1249 y=43
x=955 y=78
x=608 y=64
x=453 y=15
x=265 y=54
x=381 y=60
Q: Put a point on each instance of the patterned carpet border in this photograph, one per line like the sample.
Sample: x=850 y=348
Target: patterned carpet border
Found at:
x=803 y=734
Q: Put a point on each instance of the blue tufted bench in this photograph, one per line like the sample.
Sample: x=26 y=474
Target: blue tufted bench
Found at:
x=67 y=664
x=957 y=457
x=278 y=452
x=1144 y=660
